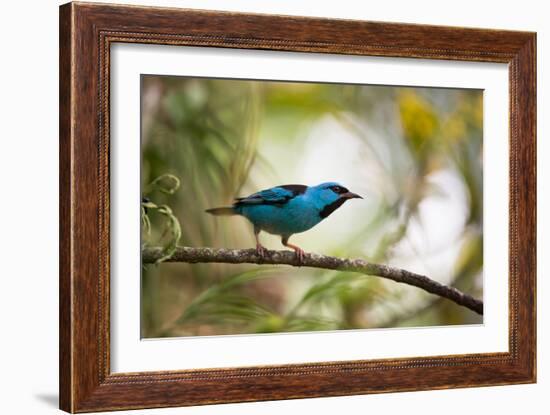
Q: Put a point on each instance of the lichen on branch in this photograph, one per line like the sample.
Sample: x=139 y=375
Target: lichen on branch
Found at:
x=250 y=256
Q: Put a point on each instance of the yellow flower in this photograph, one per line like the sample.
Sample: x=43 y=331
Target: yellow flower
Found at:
x=418 y=118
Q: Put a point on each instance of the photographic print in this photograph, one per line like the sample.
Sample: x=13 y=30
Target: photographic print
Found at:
x=329 y=173
x=348 y=206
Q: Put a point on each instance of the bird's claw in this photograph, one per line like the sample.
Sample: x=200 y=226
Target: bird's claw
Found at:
x=300 y=254
x=261 y=251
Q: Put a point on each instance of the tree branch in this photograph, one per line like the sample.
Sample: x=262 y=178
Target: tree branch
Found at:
x=249 y=256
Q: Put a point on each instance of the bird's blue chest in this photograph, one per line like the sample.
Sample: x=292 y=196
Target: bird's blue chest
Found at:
x=295 y=216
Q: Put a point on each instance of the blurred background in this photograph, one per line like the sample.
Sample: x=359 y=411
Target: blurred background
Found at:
x=414 y=154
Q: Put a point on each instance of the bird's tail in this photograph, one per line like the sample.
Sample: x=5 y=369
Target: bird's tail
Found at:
x=222 y=211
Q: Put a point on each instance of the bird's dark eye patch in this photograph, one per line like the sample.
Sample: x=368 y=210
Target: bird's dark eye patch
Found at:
x=339 y=189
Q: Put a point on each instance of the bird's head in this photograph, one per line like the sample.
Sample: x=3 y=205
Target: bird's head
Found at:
x=330 y=196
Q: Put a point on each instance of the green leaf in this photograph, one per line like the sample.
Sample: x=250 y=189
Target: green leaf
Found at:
x=222 y=302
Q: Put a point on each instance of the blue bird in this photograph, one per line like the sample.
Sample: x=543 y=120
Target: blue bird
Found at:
x=288 y=209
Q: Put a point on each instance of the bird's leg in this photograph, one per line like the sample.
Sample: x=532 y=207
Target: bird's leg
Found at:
x=299 y=251
x=260 y=249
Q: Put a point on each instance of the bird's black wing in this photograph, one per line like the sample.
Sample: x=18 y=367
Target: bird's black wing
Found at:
x=275 y=196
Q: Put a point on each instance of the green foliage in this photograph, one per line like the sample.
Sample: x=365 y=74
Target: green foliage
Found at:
x=167 y=184
x=311 y=324
x=222 y=304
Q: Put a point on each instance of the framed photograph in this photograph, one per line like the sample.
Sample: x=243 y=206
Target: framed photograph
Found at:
x=259 y=207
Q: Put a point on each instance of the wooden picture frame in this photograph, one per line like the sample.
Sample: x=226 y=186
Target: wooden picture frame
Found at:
x=86 y=33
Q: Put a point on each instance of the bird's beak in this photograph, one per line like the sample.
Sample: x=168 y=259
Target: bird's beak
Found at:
x=350 y=195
